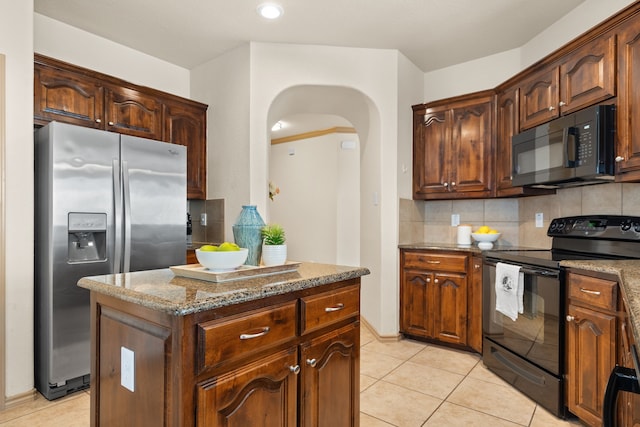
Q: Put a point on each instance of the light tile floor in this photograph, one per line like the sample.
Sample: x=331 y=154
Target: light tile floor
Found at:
x=404 y=383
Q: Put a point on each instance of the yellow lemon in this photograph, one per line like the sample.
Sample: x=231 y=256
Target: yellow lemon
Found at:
x=483 y=230
x=492 y=231
x=227 y=247
x=208 y=248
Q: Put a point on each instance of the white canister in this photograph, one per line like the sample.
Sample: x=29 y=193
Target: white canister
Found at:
x=464 y=234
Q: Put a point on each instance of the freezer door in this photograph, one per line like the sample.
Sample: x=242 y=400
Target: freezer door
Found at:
x=155 y=203
x=74 y=238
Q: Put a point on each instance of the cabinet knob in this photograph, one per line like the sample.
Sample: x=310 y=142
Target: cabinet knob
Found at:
x=436 y=281
x=570 y=318
x=551 y=108
x=110 y=123
x=619 y=159
x=428 y=279
x=453 y=184
x=476 y=266
x=312 y=362
x=295 y=369
x=562 y=103
x=446 y=184
x=98 y=121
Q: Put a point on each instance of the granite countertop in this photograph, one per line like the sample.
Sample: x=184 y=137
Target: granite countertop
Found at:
x=628 y=273
x=441 y=246
x=162 y=290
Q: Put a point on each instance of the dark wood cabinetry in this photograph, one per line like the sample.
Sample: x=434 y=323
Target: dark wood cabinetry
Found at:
x=281 y=361
x=440 y=297
x=75 y=95
x=598 y=337
x=452 y=148
x=628 y=110
x=583 y=77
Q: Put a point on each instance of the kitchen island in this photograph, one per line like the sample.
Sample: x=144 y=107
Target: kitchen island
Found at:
x=275 y=350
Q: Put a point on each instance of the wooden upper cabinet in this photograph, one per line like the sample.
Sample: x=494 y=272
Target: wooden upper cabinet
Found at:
x=581 y=78
x=507 y=125
x=131 y=112
x=67 y=97
x=539 y=98
x=628 y=110
x=452 y=148
x=588 y=75
x=187 y=125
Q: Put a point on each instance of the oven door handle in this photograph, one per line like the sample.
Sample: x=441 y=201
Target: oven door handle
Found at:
x=528 y=270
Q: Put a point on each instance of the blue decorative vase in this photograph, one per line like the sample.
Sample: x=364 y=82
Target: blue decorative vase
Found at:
x=247 y=232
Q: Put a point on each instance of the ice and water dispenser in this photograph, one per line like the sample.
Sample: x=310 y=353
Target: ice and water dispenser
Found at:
x=87 y=237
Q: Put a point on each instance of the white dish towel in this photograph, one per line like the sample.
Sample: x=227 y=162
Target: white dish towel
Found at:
x=509 y=290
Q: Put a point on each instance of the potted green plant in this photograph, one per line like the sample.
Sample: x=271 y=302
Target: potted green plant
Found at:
x=274 y=249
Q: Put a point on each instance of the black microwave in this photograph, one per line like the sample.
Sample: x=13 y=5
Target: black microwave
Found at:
x=574 y=149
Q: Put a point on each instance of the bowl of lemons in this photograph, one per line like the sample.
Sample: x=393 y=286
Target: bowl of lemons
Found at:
x=224 y=257
x=485 y=236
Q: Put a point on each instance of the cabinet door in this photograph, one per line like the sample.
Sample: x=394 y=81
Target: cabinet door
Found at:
x=416 y=303
x=628 y=110
x=539 y=98
x=432 y=135
x=330 y=379
x=587 y=75
x=130 y=112
x=187 y=126
x=450 y=314
x=67 y=97
x=507 y=125
x=628 y=403
x=469 y=155
x=591 y=355
x=263 y=393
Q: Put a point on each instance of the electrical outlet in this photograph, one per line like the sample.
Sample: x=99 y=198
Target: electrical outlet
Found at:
x=455 y=220
x=203 y=219
x=539 y=220
x=127 y=368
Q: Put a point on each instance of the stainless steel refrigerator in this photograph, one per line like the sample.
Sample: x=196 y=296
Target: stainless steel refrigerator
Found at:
x=105 y=203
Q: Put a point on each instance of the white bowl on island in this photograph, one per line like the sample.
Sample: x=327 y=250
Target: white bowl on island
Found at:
x=485 y=240
x=222 y=260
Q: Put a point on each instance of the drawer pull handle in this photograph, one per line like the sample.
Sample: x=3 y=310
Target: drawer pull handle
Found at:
x=336 y=307
x=262 y=333
x=312 y=362
x=432 y=262
x=295 y=369
x=588 y=291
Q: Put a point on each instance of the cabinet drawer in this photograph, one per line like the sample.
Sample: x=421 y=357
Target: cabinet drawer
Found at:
x=321 y=310
x=596 y=292
x=435 y=261
x=222 y=341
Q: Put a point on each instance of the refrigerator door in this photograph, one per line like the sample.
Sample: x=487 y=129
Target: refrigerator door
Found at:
x=155 y=203
x=74 y=238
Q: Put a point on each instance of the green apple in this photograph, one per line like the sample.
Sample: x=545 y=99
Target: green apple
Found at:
x=208 y=248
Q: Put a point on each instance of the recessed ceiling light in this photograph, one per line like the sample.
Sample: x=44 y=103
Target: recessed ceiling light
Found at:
x=270 y=10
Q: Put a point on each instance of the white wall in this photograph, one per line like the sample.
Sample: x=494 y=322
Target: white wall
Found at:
x=61 y=41
x=319 y=200
x=223 y=84
x=16 y=42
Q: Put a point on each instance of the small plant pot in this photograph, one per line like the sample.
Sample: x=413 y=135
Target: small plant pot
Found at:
x=274 y=254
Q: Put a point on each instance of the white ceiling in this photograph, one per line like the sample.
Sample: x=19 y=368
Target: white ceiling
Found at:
x=432 y=33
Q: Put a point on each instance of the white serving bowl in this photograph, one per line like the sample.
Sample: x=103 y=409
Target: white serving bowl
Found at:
x=485 y=240
x=222 y=260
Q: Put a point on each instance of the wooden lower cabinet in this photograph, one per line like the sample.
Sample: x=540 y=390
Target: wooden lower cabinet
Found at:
x=439 y=297
x=283 y=361
x=263 y=393
x=598 y=336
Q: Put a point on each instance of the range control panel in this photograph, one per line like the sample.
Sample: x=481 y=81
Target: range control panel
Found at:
x=614 y=227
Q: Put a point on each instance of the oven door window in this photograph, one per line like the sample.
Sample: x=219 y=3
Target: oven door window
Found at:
x=535 y=335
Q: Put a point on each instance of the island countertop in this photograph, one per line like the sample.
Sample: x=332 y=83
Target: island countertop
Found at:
x=628 y=273
x=162 y=290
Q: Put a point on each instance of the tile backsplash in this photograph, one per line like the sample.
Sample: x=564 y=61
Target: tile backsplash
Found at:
x=430 y=221
x=213 y=232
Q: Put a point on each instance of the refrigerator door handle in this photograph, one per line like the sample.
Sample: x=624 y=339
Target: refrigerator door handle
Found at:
x=127 y=217
x=117 y=207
